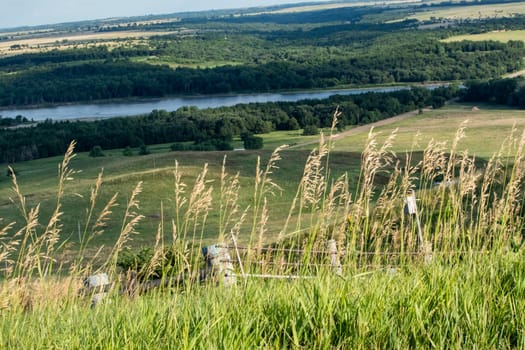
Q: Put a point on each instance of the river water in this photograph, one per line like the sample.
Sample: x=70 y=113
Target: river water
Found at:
x=122 y=109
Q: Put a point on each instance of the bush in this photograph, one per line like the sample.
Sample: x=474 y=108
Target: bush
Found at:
x=310 y=130
x=253 y=142
x=144 y=150
x=208 y=145
x=140 y=261
x=222 y=145
x=127 y=152
x=178 y=146
x=96 y=151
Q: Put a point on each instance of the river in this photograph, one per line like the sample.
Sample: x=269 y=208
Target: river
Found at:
x=122 y=109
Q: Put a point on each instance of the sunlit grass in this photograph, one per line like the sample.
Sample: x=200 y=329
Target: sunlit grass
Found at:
x=466 y=291
x=486 y=127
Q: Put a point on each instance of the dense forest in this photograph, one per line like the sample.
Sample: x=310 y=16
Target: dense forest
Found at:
x=509 y=92
x=211 y=128
x=222 y=52
x=330 y=48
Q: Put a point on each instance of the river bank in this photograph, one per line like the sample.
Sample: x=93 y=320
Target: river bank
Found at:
x=102 y=110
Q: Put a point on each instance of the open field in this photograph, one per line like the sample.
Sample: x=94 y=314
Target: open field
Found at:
x=309 y=8
x=38 y=182
x=502 y=36
x=486 y=127
x=37 y=179
x=66 y=40
x=471 y=12
x=390 y=293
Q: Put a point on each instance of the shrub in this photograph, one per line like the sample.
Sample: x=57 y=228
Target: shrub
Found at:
x=143 y=150
x=310 y=130
x=127 y=152
x=178 y=146
x=253 y=142
x=150 y=265
x=96 y=151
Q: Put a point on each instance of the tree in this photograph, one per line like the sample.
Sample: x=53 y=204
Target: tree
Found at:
x=293 y=124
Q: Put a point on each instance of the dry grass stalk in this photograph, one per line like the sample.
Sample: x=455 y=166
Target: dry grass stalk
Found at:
x=235 y=231
x=434 y=162
x=264 y=186
x=129 y=223
x=101 y=221
x=262 y=227
x=158 y=254
x=229 y=197
x=492 y=176
x=374 y=159
x=511 y=202
x=8 y=246
x=311 y=187
x=53 y=228
x=180 y=199
x=337 y=209
x=199 y=205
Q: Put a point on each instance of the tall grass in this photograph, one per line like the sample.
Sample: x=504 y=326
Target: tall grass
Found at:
x=472 y=305
x=392 y=295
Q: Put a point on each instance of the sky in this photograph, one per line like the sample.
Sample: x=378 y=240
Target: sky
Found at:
x=15 y=13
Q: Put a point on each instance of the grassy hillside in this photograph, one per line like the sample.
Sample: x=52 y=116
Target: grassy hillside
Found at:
x=486 y=126
x=393 y=292
x=38 y=182
x=38 y=179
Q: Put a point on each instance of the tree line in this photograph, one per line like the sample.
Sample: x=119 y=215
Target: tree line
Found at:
x=424 y=61
x=257 y=54
x=509 y=92
x=212 y=128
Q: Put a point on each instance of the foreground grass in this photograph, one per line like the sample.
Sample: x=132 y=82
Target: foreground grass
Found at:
x=448 y=274
x=476 y=303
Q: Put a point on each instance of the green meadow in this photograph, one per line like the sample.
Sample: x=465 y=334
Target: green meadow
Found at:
x=466 y=292
x=457 y=283
x=120 y=174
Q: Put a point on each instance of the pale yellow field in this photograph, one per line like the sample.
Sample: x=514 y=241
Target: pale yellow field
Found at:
x=472 y=12
x=145 y=22
x=65 y=40
x=308 y=8
x=502 y=36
